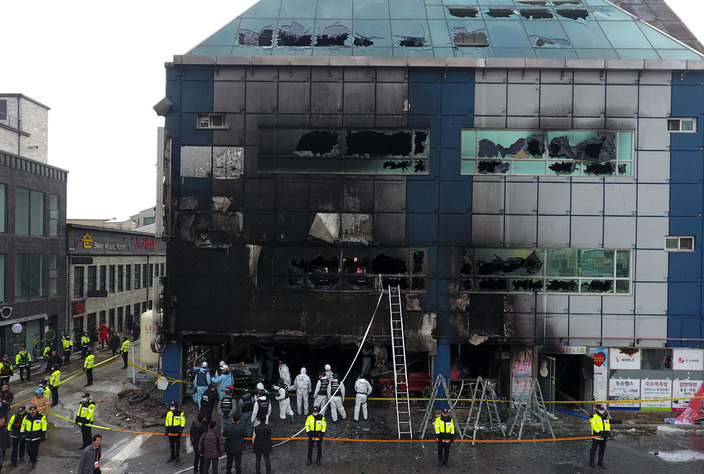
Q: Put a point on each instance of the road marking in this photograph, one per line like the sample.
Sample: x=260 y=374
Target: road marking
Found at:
x=125 y=452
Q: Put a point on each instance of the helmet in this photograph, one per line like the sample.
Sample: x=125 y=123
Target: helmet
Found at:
x=262 y=376
x=204 y=364
x=327 y=367
x=229 y=389
x=222 y=364
x=39 y=391
x=599 y=406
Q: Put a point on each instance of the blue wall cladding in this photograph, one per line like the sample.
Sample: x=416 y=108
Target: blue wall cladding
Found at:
x=685 y=291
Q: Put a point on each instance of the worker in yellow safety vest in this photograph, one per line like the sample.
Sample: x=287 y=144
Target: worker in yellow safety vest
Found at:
x=445 y=432
x=125 y=350
x=84 y=418
x=33 y=430
x=88 y=367
x=174 y=424
x=315 y=429
x=24 y=362
x=67 y=345
x=54 y=382
x=601 y=426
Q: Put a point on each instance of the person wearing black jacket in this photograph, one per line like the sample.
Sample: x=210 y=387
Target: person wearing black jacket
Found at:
x=209 y=401
x=234 y=435
x=7 y=394
x=262 y=444
x=53 y=359
x=14 y=426
x=5 y=442
x=198 y=429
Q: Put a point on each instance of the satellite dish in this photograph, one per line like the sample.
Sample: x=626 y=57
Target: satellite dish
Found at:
x=17 y=328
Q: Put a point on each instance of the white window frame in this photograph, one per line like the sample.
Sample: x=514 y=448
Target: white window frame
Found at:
x=681 y=239
x=678 y=121
x=205 y=121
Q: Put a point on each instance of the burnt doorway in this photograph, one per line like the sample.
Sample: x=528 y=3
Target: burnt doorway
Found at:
x=574 y=376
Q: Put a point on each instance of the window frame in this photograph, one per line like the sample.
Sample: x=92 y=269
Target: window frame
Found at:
x=204 y=121
x=680 y=239
x=679 y=121
x=78 y=281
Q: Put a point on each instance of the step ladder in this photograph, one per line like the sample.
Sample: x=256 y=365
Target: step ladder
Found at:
x=531 y=401
x=398 y=348
x=484 y=398
x=430 y=409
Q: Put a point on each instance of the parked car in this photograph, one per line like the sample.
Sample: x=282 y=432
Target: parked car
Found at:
x=245 y=369
x=420 y=381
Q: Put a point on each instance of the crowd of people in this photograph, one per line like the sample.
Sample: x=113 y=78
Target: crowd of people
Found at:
x=22 y=431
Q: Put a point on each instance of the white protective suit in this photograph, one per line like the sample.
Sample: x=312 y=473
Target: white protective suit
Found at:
x=255 y=413
x=303 y=388
x=362 y=389
x=336 y=400
x=284 y=403
x=320 y=396
x=284 y=374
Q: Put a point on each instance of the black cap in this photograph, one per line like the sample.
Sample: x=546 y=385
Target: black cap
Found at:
x=316 y=410
x=86 y=395
x=444 y=411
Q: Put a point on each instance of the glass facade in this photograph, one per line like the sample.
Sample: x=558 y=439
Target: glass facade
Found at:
x=29 y=212
x=578 y=29
x=511 y=270
x=29 y=276
x=547 y=152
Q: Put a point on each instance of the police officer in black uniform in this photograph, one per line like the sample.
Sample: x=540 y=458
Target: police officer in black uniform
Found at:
x=227 y=407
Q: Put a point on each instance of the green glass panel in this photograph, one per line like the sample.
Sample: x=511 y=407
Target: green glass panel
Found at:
x=410 y=9
x=293 y=165
x=503 y=261
x=421 y=167
x=377 y=30
x=435 y=11
x=583 y=36
x=298 y=9
x=557 y=53
x=624 y=141
x=637 y=54
x=672 y=243
x=225 y=37
x=596 y=286
x=606 y=53
x=623 y=263
x=623 y=286
x=508 y=34
x=423 y=150
x=326 y=164
x=265 y=165
x=469 y=144
x=562 y=262
x=336 y=9
x=687 y=125
x=528 y=167
x=596 y=263
x=360 y=165
x=469 y=167
x=439 y=34
x=624 y=35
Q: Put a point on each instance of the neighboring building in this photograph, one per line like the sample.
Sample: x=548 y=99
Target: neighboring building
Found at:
x=530 y=173
x=129 y=224
x=32 y=228
x=113 y=276
x=24 y=127
x=144 y=218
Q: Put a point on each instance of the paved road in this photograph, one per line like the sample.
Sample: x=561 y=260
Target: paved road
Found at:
x=631 y=451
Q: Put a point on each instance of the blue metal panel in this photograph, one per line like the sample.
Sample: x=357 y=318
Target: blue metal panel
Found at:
x=455 y=196
x=458 y=99
x=425 y=98
x=421 y=196
x=447 y=262
x=421 y=229
x=455 y=229
x=684 y=298
x=190 y=135
x=450 y=164
x=197 y=96
x=464 y=76
x=685 y=327
x=685 y=200
x=425 y=75
x=171 y=367
x=451 y=129
x=686 y=167
x=688 y=264
x=687 y=226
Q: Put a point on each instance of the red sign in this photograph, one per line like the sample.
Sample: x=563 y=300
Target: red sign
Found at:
x=599 y=358
x=78 y=308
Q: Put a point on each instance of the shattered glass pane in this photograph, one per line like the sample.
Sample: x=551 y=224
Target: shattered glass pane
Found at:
x=500 y=12
x=251 y=38
x=597 y=286
x=589 y=146
x=463 y=12
x=293 y=35
x=540 y=41
x=536 y=13
x=318 y=143
x=333 y=35
x=462 y=37
x=492 y=284
x=573 y=13
x=527 y=285
x=493 y=166
x=566 y=286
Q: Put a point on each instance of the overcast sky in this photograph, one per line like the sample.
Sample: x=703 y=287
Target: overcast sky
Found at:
x=99 y=66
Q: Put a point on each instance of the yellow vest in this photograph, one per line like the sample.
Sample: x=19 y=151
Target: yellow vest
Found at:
x=88 y=364
x=55 y=379
x=126 y=346
x=599 y=424
x=315 y=425
x=86 y=412
x=444 y=428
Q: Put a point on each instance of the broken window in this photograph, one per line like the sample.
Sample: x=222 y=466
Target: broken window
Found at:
x=521 y=152
x=500 y=12
x=252 y=38
x=542 y=42
x=462 y=37
x=412 y=41
x=544 y=270
x=343 y=151
x=333 y=35
x=463 y=12
x=294 y=34
x=573 y=13
x=363 y=41
x=536 y=13
x=345 y=269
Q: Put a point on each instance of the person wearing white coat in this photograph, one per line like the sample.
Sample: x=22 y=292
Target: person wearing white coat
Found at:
x=284 y=401
x=303 y=388
x=362 y=389
x=284 y=373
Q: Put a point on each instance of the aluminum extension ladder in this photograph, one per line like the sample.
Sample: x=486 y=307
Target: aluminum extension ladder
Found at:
x=530 y=396
x=483 y=397
x=430 y=409
x=398 y=348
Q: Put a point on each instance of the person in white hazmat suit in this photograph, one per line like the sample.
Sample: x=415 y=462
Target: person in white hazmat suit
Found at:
x=261 y=405
x=303 y=389
x=320 y=395
x=284 y=373
x=362 y=389
x=328 y=372
x=336 y=398
x=284 y=401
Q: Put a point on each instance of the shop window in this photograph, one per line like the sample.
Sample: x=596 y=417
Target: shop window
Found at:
x=679 y=244
x=685 y=125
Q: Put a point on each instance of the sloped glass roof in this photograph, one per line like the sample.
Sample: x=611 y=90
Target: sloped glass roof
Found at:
x=579 y=29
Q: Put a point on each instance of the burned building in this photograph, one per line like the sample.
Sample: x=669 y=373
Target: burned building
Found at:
x=529 y=173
